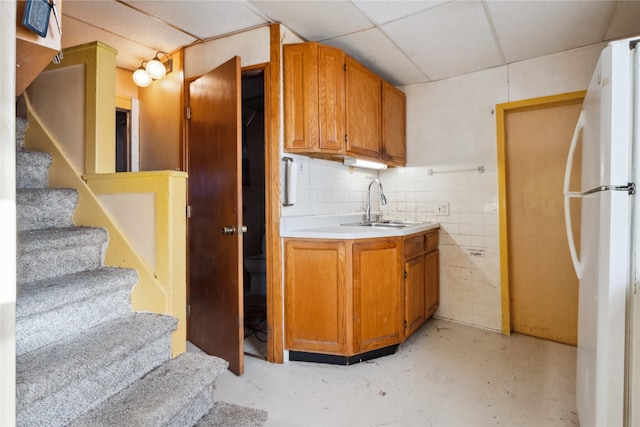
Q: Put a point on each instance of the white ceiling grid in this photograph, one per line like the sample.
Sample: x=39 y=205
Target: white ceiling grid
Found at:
x=406 y=42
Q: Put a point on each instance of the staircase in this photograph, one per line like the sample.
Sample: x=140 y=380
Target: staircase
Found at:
x=83 y=357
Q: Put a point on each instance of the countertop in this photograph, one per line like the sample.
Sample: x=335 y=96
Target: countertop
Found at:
x=329 y=227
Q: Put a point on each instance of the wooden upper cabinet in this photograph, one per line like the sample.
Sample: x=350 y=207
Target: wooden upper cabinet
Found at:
x=394 y=125
x=363 y=111
x=335 y=107
x=34 y=53
x=314 y=98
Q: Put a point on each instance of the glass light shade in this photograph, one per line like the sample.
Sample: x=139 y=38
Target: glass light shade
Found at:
x=141 y=77
x=156 y=69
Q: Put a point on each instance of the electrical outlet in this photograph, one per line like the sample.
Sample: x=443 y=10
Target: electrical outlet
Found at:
x=442 y=208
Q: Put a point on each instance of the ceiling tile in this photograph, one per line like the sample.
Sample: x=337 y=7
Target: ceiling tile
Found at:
x=528 y=29
x=203 y=19
x=119 y=19
x=316 y=20
x=130 y=54
x=625 y=20
x=385 y=11
x=448 y=40
x=373 y=49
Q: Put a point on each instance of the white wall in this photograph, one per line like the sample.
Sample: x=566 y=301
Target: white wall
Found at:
x=7 y=214
x=451 y=130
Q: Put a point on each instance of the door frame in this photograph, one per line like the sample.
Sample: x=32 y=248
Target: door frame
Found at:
x=273 y=242
x=501 y=111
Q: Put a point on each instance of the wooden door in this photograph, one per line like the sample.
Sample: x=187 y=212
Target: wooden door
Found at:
x=377 y=294
x=543 y=285
x=214 y=149
x=363 y=101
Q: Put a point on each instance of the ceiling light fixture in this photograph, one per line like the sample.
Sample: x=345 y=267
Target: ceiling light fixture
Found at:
x=360 y=163
x=153 y=70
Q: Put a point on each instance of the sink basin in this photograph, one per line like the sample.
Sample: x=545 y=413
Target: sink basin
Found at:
x=385 y=223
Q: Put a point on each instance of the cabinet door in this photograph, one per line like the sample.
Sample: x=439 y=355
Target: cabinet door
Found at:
x=377 y=294
x=394 y=118
x=363 y=111
x=432 y=283
x=315 y=319
x=300 y=76
x=331 y=99
x=414 y=294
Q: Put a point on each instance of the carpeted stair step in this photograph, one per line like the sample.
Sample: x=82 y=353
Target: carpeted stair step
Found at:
x=43 y=254
x=178 y=393
x=51 y=309
x=229 y=415
x=32 y=169
x=40 y=208
x=59 y=382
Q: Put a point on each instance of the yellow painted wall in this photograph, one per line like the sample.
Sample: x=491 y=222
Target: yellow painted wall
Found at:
x=161 y=119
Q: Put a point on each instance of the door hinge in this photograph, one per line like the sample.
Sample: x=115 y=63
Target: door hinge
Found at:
x=405 y=324
x=405 y=274
x=346 y=137
x=188 y=113
x=345 y=67
x=188 y=211
x=188 y=310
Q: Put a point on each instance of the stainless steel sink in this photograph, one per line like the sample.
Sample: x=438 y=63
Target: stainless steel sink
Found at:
x=385 y=223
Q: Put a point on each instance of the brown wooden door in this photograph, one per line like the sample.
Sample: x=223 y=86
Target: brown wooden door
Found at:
x=543 y=284
x=214 y=148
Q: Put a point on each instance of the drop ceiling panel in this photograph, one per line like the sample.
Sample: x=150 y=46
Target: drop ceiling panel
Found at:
x=316 y=20
x=119 y=19
x=129 y=55
x=448 y=40
x=382 y=12
x=203 y=19
x=373 y=49
x=530 y=29
x=625 y=20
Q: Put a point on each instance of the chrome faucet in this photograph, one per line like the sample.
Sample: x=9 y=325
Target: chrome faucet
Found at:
x=383 y=199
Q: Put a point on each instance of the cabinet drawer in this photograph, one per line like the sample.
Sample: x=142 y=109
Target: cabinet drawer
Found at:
x=431 y=241
x=413 y=246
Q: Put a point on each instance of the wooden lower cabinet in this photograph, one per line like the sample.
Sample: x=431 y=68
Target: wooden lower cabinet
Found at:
x=377 y=294
x=315 y=296
x=421 y=279
x=349 y=297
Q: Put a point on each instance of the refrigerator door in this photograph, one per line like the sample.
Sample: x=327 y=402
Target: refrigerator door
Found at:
x=601 y=314
x=605 y=240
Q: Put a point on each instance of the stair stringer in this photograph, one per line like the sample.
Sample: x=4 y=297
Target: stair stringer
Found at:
x=119 y=251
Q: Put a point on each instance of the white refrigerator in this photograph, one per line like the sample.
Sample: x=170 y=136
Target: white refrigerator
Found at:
x=604 y=261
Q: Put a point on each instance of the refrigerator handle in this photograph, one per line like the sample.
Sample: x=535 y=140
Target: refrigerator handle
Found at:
x=569 y=194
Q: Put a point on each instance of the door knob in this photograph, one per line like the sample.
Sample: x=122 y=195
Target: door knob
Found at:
x=228 y=230
x=243 y=229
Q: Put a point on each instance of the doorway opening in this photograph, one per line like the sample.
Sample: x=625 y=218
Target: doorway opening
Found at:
x=253 y=212
x=123 y=140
